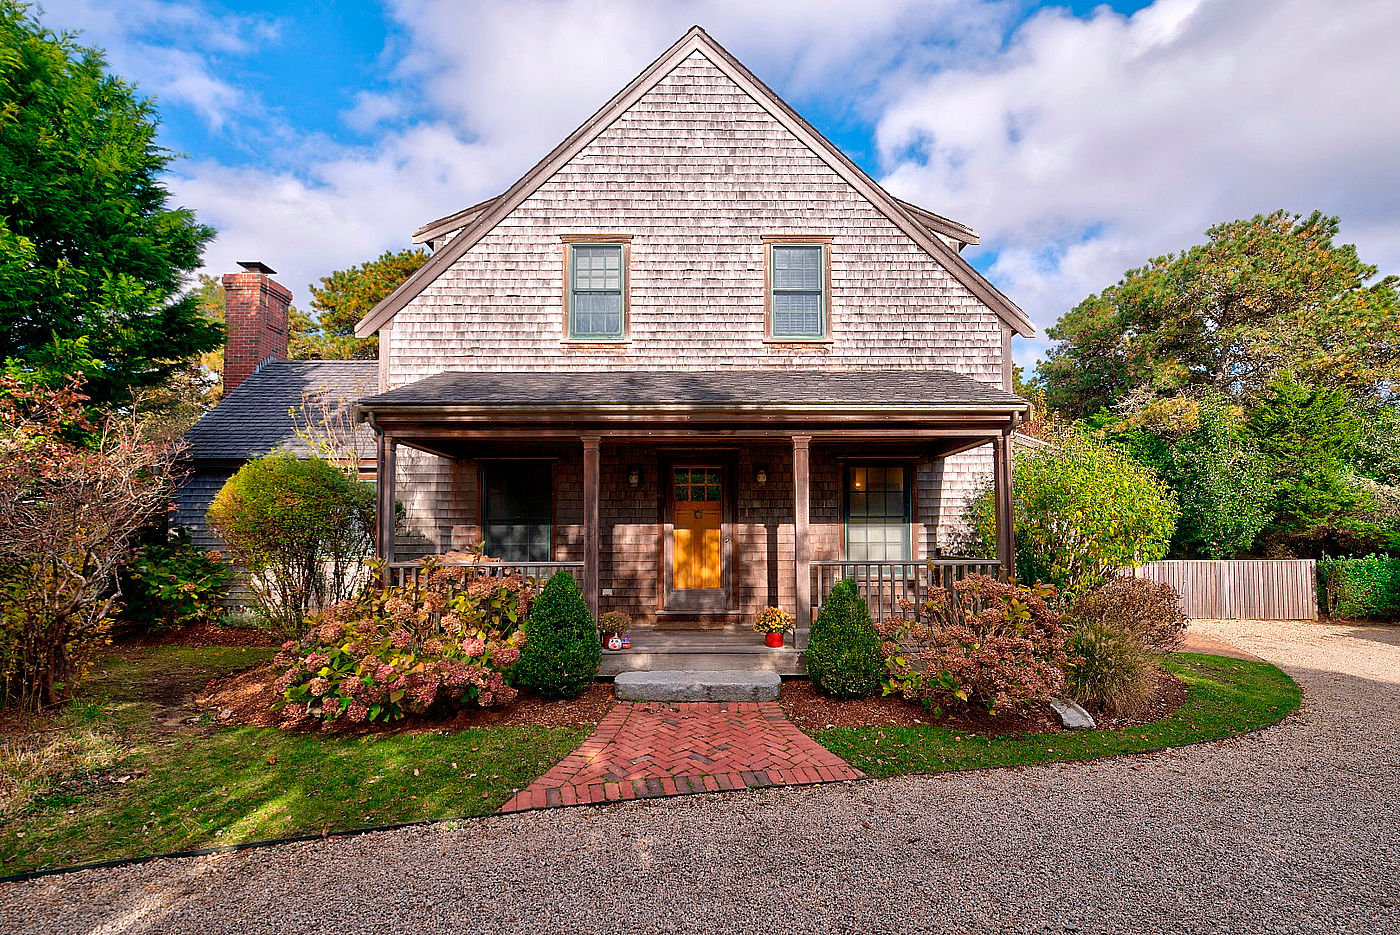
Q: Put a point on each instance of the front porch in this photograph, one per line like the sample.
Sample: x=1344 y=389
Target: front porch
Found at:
x=691 y=516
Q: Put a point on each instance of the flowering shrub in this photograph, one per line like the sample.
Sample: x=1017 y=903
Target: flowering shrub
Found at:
x=772 y=620
x=451 y=636
x=614 y=621
x=984 y=643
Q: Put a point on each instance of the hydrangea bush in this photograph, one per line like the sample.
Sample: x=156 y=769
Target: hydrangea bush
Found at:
x=450 y=637
x=985 y=643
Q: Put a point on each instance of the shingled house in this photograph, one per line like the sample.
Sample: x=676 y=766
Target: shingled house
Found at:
x=700 y=358
x=269 y=402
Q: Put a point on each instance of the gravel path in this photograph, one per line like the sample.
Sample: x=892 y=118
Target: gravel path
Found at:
x=1295 y=829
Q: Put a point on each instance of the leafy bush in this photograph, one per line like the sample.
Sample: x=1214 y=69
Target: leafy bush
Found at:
x=301 y=528
x=1109 y=669
x=1145 y=609
x=1361 y=587
x=175 y=584
x=73 y=496
x=1083 y=510
x=451 y=636
x=984 y=643
x=843 y=651
x=562 y=650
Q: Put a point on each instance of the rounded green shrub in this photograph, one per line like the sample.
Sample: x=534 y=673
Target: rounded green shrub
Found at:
x=843 y=653
x=560 y=658
x=1109 y=669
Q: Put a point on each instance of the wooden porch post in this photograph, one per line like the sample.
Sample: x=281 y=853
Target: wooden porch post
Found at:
x=1006 y=536
x=592 y=535
x=801 y=540
x=386 y=498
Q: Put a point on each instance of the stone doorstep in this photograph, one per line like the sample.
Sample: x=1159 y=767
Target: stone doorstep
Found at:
x=697 y=685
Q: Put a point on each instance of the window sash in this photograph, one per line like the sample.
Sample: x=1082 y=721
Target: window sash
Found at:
x=517 y=510
x=797 y=296
x=879 y=513
x=596 y=283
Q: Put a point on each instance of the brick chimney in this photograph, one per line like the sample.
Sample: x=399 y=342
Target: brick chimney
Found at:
x=255 y=312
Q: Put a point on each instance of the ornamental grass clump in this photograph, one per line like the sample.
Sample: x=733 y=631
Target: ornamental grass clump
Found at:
x=984 y=644
x=843 y=651
x=1109 y=669
x=451 y=637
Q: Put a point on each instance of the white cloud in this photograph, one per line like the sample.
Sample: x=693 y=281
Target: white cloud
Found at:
x=1088 y=146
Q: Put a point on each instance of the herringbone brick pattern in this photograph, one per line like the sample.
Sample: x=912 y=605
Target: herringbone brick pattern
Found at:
x=648 y=749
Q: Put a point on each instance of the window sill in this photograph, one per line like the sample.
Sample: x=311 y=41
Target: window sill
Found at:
x=585 y=343
x=799 y=341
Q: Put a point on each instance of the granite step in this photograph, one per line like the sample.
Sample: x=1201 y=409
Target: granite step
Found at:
x=698 y=685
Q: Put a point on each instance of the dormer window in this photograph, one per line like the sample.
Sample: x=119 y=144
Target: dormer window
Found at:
x=596 y=292
x=797 y=291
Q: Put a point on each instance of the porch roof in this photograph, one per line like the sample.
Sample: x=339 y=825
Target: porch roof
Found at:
x=928 y=391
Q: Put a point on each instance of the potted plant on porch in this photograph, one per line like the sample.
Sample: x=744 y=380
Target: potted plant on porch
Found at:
x=773 y=622
x=613 y=627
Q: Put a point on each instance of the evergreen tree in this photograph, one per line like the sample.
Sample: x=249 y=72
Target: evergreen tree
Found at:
x=342 y=299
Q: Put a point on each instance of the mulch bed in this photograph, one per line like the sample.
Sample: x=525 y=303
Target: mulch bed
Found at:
x=246 y=698
x=812 y=712
x=208 y=634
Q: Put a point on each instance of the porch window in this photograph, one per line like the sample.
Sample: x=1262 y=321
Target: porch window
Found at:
x=515 y=510
x=797 y=300
x=878 y=513
x=596 y=283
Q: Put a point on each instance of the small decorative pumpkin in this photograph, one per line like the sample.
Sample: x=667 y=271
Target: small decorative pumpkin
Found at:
x=614 y=642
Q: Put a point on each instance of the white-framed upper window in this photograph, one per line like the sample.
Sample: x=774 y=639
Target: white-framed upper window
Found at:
x=797 y=299
x=597 y=292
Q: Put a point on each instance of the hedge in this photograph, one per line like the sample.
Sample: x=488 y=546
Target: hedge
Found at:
x=1361 y=587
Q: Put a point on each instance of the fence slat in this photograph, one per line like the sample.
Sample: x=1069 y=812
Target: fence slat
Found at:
x=1246 y=589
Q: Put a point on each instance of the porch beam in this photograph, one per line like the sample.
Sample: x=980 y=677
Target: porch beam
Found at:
x=801 y=544
x=592 y=534
x=1001 y=473
x=425 y=433
x=386 y=471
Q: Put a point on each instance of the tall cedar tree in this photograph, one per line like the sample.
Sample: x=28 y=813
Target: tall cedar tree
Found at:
x=1261 y=296
x=342 y=299
x=1308 y=435
x=92 y=259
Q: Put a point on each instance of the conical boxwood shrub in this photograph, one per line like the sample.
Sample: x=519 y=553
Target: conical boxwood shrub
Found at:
x=561 y=653
x=843 y=652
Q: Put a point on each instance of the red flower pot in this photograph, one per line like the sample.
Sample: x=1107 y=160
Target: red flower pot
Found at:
x=773 y=639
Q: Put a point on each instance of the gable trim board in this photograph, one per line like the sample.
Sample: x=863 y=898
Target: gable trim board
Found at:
x=696 y=40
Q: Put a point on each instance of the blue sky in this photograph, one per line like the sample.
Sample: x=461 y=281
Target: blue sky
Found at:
x=1080 y=139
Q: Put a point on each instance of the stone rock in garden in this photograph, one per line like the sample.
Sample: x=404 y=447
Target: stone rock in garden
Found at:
x=1071 y=715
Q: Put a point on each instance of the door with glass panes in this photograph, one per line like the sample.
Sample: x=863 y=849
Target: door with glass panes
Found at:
x=698 y=540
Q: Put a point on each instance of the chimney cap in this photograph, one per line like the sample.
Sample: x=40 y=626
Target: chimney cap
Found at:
x=257 y=266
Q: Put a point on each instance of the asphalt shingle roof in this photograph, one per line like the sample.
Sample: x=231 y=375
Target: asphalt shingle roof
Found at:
x=703 y=388
x=255 y=418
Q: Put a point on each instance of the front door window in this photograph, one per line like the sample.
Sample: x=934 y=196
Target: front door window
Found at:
x=698 y=494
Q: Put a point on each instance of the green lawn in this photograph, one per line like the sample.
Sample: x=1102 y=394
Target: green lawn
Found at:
x=196 y=784
x=1224 y=697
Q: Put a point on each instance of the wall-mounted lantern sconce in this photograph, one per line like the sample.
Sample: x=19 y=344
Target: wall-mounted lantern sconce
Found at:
x=634 y=475
x=760 y=475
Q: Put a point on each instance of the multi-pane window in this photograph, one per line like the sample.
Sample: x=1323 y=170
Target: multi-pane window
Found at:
x=877 y=513
x=698 y=485
x=515 y=507
x=797 y=305
x=596 y=283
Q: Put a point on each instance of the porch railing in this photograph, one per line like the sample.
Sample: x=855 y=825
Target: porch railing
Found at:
x=401 y=573
x=887 y=586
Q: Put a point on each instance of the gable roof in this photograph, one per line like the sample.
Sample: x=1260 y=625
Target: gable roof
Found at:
x=695 y=40
x=255 y=419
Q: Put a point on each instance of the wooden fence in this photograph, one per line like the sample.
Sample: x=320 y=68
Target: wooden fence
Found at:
x=1266 y=589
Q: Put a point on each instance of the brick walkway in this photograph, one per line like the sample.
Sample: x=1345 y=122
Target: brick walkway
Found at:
x=649 y=749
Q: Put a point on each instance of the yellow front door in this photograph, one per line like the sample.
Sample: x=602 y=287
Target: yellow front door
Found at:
x=698 y=494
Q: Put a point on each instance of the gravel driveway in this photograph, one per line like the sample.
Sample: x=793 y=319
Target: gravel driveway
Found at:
x=1295 y=829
